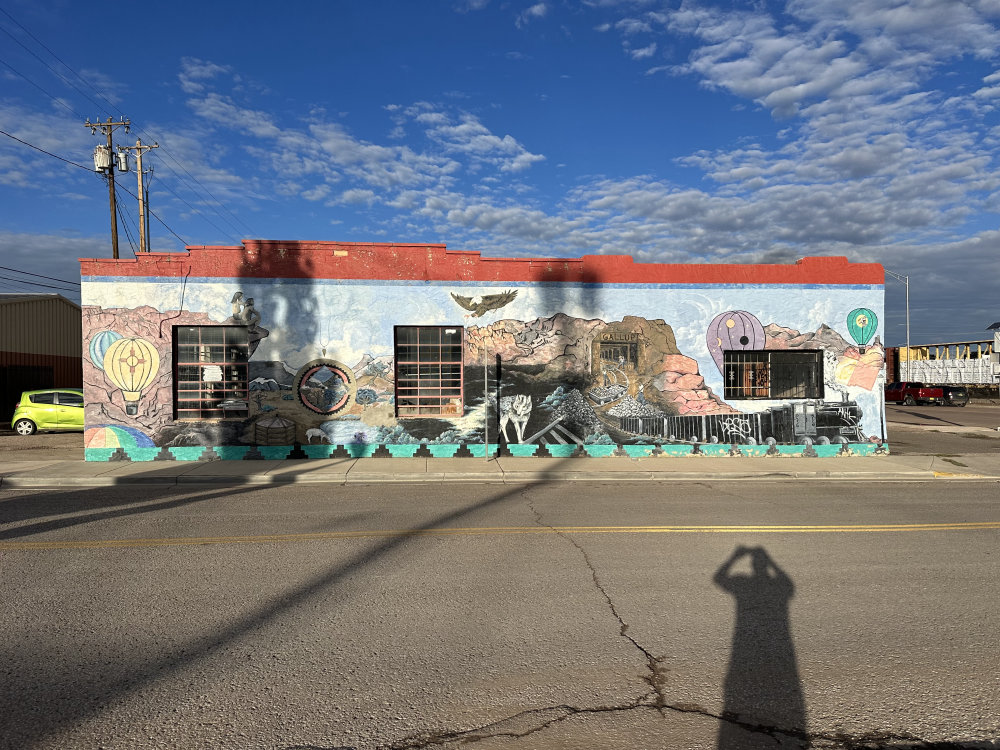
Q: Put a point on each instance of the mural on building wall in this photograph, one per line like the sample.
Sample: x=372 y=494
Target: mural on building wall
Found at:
x=647 y=370
x=734 y=330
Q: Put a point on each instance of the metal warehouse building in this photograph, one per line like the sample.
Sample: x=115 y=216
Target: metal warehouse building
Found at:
x=39 y=346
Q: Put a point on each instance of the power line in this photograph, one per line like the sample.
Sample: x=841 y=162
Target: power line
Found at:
x=194 y=209
x=81 y=166
x=40 y=276
x=36 y=283
x=151 y=213
x=47 y=153
x=54 y=98
x=209 y=193
x=112 y=107
x=53 y=70
x=124 y=222
x=61 y=62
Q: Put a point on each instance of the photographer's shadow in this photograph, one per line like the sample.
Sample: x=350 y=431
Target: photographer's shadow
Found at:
x=763 y=700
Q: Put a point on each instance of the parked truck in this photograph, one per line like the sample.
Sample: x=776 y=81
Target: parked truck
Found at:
x=911 y=393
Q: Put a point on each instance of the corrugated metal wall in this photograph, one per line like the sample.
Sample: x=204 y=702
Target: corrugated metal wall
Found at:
x=41 y=325
x=40 y=347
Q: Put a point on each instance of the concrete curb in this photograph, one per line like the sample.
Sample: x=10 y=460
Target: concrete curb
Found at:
x=54 y=475
x=517 y=477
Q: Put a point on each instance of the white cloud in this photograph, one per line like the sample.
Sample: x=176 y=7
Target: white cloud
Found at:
x=195 y=73
x=356 y=196
x=633 y=26
x=317 y=193
x=538 y=10
x=467 y=136
x=644 y=52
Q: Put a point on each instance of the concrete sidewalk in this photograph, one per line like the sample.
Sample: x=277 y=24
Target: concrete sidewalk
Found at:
x=43 y=474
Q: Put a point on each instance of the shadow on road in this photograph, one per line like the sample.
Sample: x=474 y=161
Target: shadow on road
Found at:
x=762 y=690
x=931 y=417
x=39 y=703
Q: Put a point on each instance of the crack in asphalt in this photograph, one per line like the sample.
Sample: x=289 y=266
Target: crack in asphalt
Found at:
x=657 y=672
x=490 y=731
x=653 y=700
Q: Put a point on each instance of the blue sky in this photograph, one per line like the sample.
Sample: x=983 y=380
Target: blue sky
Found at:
x=672 y=131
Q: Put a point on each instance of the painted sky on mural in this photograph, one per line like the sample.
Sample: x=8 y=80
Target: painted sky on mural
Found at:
x=678 y=131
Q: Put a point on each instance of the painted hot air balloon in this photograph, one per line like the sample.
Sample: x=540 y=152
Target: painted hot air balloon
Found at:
x=862 y=323
x=99 y=346
x=131 y=365
x=733 y=330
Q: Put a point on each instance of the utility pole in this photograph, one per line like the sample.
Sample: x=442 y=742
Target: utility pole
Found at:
x=906 y=281
x=139 y=150
x=104 y=162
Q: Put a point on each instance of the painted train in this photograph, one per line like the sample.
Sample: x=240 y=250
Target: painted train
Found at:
x=819 y=421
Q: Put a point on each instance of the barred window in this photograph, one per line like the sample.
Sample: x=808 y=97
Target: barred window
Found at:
x=773 y=374
x=429 y=370
x=210 y=372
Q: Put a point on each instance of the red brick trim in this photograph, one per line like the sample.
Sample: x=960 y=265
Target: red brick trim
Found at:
x=392 y=261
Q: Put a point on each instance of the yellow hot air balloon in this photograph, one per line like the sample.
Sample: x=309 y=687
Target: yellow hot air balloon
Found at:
x=131 y=364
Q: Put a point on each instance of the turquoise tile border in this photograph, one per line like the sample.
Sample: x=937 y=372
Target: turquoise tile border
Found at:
x=188 y=452
x=444 y=450
x=638 y=451
x=715 y=449
x=97 y=454
x=231 y=452
x=361 y=450
x=317 y=451
x=676 y=449
x=524 y=450
x=405 y=450
x=478 y=451
x=143 y=454
x=274 y=452
x=448 y=450
x=790 y=450
x=561 y=450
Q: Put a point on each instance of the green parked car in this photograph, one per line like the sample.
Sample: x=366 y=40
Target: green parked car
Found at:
x=50 y=409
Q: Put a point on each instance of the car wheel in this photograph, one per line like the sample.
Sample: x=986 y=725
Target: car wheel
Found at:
x=909 y=400
x=25 y=427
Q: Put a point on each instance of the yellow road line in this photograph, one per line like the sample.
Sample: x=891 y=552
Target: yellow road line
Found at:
x=496 y=530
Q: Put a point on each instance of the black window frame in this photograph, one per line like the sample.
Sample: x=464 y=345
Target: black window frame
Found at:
x=429 y=371
x=773 y=374
x=224 y=346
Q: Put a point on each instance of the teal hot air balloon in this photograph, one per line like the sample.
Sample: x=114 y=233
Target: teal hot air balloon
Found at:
x=100 y=344
x=862 y=322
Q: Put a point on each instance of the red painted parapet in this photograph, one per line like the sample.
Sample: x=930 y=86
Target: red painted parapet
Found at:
x=434 y=262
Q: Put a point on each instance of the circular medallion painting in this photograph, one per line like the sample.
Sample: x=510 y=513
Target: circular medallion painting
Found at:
x=325 y=386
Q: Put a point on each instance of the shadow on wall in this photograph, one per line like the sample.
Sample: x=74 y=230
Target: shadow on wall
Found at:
x=763 y=701
x=520 y=394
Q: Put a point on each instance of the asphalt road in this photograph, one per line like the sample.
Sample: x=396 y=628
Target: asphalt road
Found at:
x=551 y=616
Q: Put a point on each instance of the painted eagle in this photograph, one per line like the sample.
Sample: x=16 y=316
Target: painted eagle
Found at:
x=483 y=303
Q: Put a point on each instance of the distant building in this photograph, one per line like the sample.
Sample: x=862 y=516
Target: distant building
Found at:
x=312 y=349
x=39 y=346
x=954 y=362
